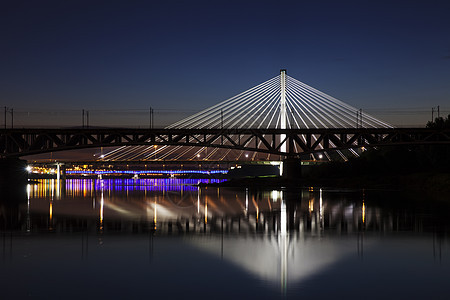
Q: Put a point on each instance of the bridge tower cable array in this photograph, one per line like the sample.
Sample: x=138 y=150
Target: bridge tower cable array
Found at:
x=281 y=102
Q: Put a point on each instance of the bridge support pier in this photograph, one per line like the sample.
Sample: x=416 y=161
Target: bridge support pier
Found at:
x=292 y=168
x=63 y=173
x=58 y=172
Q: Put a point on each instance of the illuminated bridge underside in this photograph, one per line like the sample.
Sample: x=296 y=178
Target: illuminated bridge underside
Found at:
x=21 y=142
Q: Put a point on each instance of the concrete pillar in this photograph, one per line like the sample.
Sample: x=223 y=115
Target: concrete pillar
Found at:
x=63 y=172
x=12 y=173
x=13 y=181
x=292 y=168
x=58 y=172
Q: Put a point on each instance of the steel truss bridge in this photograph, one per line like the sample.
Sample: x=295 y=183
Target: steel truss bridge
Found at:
x=28 y=141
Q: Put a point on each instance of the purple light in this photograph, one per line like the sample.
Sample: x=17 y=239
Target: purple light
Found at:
x=171 y=172
x=149 y=184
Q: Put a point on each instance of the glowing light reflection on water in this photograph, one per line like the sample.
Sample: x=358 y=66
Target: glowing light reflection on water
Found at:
x=174 y=238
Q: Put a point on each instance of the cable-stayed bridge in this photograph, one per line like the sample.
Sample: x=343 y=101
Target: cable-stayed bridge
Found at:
x=281 y=117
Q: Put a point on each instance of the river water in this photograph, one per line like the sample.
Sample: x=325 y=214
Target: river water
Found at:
x=169 y=238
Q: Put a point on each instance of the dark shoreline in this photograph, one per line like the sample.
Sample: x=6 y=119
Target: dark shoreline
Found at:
x=426 y=182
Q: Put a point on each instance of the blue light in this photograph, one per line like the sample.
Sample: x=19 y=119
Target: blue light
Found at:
x=147 y=172
x=148 y=184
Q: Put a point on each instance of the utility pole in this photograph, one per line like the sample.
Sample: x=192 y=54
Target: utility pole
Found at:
x=150 y=124
x=11 y=111
x=85 y=118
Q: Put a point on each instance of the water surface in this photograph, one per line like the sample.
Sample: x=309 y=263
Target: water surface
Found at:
x=169 y=238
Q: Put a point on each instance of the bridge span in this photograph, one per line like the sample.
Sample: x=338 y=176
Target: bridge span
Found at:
x=284 y=142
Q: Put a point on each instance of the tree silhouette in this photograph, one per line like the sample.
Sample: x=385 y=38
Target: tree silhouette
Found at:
x=439 y=123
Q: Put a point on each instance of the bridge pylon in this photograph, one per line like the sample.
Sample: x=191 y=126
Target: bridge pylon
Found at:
x=283 y=107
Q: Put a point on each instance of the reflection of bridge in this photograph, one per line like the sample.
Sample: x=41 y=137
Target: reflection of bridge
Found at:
x=284 y=237
x=20 y=142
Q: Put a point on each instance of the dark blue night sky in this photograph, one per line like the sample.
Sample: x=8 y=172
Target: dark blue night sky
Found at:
x=193 y=54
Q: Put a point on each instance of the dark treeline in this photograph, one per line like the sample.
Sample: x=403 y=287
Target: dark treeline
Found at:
x=393 y=160
x=439 y=123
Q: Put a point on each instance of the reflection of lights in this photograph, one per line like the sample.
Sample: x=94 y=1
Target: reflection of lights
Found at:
x=256 y=206
x=320 y=207
x=283 y=218
x=28 y=208
x=246 y=200
x=284 y=245
x=363 y=212
x=101 y=210
x=58 y=182
x=51 y=211
x=52 y=187
x=198 y=200
x=155 y=218
x=28 y=193
x=311 y=205
x=274 y=196
x=143 y=172
x=206 y=211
